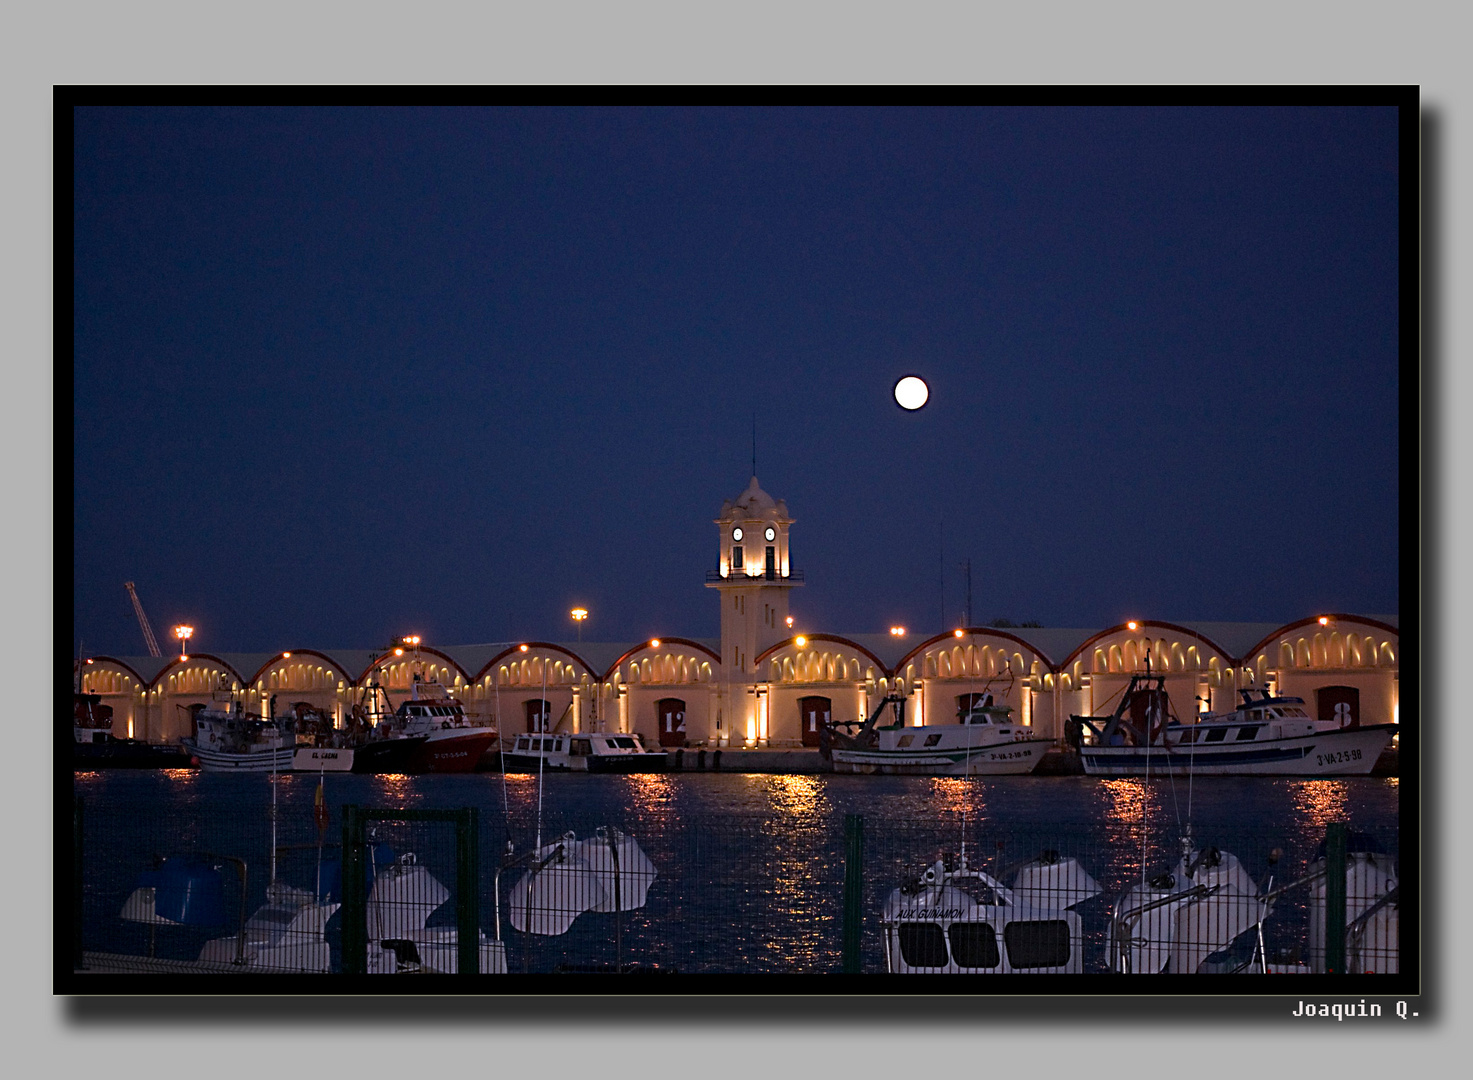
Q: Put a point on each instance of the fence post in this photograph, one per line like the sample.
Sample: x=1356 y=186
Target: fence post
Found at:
x=355 y=904
x=1335 y=843
x=77 y=864
x=853 y=889
x=467 y=891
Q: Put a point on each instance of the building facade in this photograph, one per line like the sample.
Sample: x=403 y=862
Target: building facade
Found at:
x=762 y=684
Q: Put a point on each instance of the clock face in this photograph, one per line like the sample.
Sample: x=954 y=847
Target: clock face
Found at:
x=771 y=533
x=736 y=534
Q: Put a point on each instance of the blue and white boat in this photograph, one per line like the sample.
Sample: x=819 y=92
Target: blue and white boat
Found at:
x=1266 y=735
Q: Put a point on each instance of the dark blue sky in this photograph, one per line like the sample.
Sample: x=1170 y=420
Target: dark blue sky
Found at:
x=345 y=375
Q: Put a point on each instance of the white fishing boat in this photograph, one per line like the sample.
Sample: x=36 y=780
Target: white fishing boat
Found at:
x=595 y=751
x=984 y=741
x=1266 y=735
x=237 y=741
x=957 y=919
x=403 y=897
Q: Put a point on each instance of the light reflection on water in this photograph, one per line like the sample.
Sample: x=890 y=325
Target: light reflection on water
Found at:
x=751 y=866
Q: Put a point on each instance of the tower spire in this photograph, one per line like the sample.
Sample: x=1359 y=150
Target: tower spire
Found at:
x=754 y=442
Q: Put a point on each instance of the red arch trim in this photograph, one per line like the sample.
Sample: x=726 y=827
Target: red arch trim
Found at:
x=388 y=654
x=294 y=654
x=664 y=641
x=1313 y=620
x=790 y=642
x=990 y=631
x=516 y=650
x=1089 y=642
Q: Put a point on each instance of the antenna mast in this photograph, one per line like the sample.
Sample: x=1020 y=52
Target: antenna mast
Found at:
x=754 y=442
x=153 y=645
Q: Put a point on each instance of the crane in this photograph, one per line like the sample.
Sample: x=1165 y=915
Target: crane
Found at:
x=153 y=645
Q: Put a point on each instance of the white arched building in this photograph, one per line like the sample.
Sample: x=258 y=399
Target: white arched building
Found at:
x=762 y=684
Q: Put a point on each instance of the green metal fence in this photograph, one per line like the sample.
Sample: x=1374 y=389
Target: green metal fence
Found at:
x=400 y=891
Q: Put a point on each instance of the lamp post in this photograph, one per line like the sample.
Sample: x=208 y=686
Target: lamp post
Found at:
x=183 y=633
x=579 y=614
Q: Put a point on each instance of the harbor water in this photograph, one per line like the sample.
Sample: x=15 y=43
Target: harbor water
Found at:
x=750 y=867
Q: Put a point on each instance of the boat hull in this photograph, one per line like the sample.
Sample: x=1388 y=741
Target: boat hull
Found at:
x=128 y=754
x=386 y=755
x=278 y=760
x=323 y=759
x=1345 y=752
x=648 y=761
x=459 y=752
x=1000 y=759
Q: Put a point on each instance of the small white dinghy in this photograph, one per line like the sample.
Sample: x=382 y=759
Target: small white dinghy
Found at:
x=606 y=872
x=956 y=919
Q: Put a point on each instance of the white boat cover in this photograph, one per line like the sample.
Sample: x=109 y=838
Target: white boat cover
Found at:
x=1055 y=883
x=403 y=897
x=606 y=872
x=1177 y=935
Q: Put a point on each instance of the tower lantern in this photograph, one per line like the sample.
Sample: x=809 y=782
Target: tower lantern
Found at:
x=753 y=575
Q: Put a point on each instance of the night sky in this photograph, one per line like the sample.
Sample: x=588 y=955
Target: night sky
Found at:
x=347 y=375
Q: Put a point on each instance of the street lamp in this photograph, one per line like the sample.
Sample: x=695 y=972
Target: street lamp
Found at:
x=579 y=614
x=183 y=633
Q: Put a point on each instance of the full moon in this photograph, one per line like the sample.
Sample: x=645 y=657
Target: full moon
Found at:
x=911 y=392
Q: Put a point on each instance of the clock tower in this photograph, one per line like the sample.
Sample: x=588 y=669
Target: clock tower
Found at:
x=753 y=576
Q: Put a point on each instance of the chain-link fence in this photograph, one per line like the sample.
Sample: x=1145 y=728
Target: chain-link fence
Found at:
x=441 y=891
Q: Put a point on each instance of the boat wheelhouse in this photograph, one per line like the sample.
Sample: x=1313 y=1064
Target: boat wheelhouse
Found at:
x=237 y=741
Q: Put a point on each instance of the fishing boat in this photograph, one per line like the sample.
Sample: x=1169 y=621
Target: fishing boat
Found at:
x=94 y=746
x=1266 y=735
x=232 y=740
x=594 y=751
x=985 y=740
x=955 y=918
x=453 y=743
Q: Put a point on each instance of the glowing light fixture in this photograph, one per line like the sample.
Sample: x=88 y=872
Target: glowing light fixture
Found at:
x=413 y=639
x=800 y=641
x=789 y=622
x=956 y=633
x=1132 y=625
x=183 y=633
x=398 y=652
x=1324 y=620
x=911 y=392
x=523 y=648
x=897 y=631
x=286 y=656
x=654 y=643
